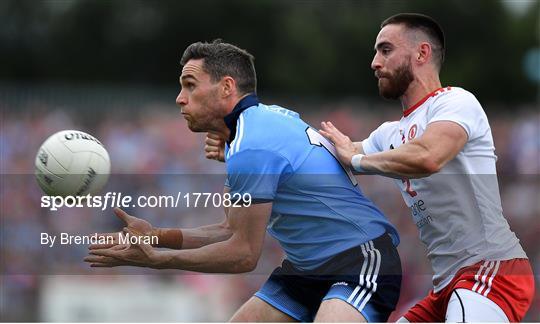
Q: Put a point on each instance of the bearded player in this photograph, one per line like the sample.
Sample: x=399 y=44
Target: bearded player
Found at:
x=441 y=154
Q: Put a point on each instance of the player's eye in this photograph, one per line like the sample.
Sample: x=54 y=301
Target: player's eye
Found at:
x=188 y=86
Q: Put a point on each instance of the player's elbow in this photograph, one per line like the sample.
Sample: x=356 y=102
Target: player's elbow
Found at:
x=424 y=165
x=246 y=263
x=429 y=166
x=424 y=161
x=249 y=264
x=246 y=259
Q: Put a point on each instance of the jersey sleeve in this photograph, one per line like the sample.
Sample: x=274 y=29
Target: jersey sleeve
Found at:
x=462 y=108
x=374 y=143
x=256 y=172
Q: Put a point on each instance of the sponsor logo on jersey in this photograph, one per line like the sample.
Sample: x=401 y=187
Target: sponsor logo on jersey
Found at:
x=424 y=221
x=412 y=132
x=341 y=283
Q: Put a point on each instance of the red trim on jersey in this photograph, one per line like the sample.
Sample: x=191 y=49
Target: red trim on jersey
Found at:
x=408 y=111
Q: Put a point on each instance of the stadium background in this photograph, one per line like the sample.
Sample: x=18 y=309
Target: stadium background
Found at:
x=110 y=68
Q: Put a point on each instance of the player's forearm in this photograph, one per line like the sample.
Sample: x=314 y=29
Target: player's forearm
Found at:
x=245 y=228
x=222 y=257
x=411 y=160
x=192 y=238
x=201 y=236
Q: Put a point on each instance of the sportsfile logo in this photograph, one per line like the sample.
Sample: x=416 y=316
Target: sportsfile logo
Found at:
x=117 y=199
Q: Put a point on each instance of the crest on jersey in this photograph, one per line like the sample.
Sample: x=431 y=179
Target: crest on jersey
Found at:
x=412 y=132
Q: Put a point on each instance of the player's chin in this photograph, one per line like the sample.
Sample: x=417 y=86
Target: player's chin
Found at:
x=383 y=89
x=383 y=83
x=194 y=127
x=387 y=92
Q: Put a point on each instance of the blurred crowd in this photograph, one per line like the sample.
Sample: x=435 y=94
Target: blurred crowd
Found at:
x=152 y=151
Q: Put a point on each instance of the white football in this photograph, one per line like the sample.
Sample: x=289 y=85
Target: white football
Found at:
x=72 y=163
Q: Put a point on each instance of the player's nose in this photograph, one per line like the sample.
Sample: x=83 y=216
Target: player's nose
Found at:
x=181 y=100
x=376 y=63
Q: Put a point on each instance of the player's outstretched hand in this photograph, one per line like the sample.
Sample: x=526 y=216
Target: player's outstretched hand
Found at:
x=215 y=147
x=345 y=148
x=134 y=254
x=137 y=225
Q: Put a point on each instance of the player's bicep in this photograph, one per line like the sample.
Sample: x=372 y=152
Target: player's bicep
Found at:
x=443 y=140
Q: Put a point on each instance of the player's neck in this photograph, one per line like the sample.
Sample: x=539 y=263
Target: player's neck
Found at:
x=221 y=129
x=418 y=89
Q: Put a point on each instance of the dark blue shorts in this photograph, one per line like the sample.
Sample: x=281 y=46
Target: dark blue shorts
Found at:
x=368 y=277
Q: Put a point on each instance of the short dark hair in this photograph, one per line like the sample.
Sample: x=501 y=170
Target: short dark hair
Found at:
x=427 y=25
x=224 y=59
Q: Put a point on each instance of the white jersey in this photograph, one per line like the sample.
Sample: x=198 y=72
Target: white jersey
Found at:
x=457 y=210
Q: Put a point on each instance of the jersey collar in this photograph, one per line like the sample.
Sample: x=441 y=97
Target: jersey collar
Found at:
x=409 y=111
x=230 y=119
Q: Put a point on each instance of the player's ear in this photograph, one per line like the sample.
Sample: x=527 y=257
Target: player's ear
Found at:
x=228 y=86
x=424 y=53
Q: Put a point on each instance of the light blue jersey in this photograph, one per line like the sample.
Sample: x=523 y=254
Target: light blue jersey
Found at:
x=318 y=208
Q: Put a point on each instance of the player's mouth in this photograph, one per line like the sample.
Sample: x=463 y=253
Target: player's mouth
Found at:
x=381 y=75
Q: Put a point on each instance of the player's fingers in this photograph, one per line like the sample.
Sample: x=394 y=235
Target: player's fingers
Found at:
x=104 y=252
x=330 y=125
x=334 y=134
x=121 y=247
x=102 y=265
x=133 y=232
x=330 y=133
x=211 y=148
x=146 y=248
x=143 y=246
x=212 y=155
x=327 y=135
x=326 y=128
x=330 y=128
x=99 y=258
x=213 y=142
x=111 y=239
x=327 y=125
x=100 y=246
x=92 y=258
x=110 y=236
x=122 y=215
x=213 y=136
